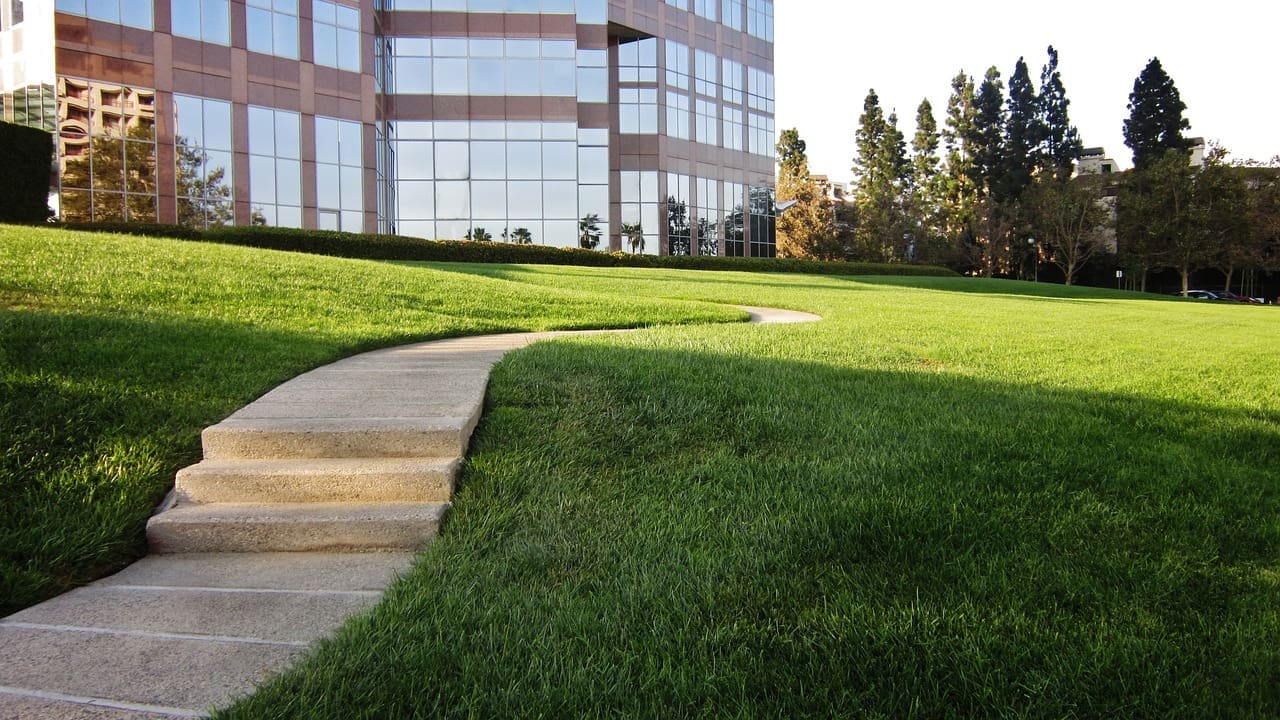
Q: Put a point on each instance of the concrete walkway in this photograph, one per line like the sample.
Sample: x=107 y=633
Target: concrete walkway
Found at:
x=308 y=503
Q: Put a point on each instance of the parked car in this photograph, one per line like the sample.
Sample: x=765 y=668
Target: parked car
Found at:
x=1201 y=295
x=1228 y=295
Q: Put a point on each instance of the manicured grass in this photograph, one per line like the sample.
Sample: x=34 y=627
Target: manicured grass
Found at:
x=116 y=351
x=952 y=498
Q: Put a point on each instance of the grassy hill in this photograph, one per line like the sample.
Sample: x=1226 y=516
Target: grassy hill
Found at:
x=951 y=498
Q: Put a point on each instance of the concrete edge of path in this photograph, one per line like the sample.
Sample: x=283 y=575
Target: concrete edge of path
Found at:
x=174 y=635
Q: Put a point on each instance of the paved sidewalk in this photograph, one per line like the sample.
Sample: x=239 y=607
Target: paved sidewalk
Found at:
x=309 y=502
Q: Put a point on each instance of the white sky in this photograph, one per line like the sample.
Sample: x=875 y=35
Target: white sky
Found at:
x=1224 y=58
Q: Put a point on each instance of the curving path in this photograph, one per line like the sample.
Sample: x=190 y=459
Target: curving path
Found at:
x=308 y=503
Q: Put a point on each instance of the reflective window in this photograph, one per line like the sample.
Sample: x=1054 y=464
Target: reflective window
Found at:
x=677 y=58
x=706 y=66
x=677 y=115
x=707 y=123
x=593 y=76
x=384 y=168
x=760 y=89
x=676 y=208
x=273 y=27
x=760 y=19
x=519 y=181
x=638 y=61
x=733 y=128
x=205 y=20
x=706 y=8
x=275 y=171
x=731 y=13
x=106 y=151
x=707 y=226
x=203 y=161
x=682 y=4
x=761 y=135
x=732 y=83
x=134 y=13
x=638 y=111
x=493 y=66
x=336 y=29
x=33 y=106
x=340 y=174
x=639 y=221
x=591 y=12
x=763 y=229
x=733 y=221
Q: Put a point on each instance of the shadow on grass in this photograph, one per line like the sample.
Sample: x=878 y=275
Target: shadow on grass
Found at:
x=91 y=437
x=650 y=532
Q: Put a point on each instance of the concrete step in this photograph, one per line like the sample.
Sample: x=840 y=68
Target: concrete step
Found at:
x=318 y=480
x=282 y=438
x=294 y=527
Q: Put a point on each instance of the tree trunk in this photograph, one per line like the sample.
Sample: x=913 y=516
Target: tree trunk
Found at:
x=1231 y=271
x=1185 y=272
x=1071 y=272
x=1144 y=280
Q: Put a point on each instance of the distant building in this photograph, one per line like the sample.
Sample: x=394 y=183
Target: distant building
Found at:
x=418 y=117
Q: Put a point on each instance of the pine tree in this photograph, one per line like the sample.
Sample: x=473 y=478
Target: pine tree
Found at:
x=1155 y=121
x=880 y=169
x=1060 y=145
x=791 y=152
x=986 y=136
x=1022 y=137
x=958 y=194
x=926 y=188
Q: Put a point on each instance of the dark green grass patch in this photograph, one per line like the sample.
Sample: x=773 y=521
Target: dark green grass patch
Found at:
x=928 y=505
x=116 y=351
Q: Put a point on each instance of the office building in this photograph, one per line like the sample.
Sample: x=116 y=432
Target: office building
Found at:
x=647 y=124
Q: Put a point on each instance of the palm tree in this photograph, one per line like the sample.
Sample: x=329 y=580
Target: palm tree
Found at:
x=634 y=234
x=589 y=231
x=522 y=236
x=479 y=234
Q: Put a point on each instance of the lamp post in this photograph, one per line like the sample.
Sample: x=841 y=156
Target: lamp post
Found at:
x=1119 y=276
x=1035 y=259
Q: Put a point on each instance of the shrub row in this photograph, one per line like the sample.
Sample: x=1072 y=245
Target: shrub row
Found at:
x=399 y=247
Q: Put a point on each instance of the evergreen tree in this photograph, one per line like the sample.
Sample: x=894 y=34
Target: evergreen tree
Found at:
x=880 y=172
x=791 y=152
x=1155 y=121
x=925 y=196
x=986 y=136
x=995 y=216
x=1022 y=137
x=958 y=194
x=1060 y=145
x=804 y=229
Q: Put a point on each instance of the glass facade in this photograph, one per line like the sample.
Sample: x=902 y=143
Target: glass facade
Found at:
x=107 y=152
x=275 y=167
x=203 y=166
x=205 y=20
x=557 y=124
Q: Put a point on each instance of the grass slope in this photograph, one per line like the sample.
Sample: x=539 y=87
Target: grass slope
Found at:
x=951 y=498
x=116 y=351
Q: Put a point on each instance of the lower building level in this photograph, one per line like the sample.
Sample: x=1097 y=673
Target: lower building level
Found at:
x=637 y=126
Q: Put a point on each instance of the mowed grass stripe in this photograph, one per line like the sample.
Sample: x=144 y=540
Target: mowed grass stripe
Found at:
x=116 y=351
x=948 y=499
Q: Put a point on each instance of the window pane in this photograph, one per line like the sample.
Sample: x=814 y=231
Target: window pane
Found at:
x=185 y=22
x=453 y=200
x=559 y=160
x=450 y=76
x=489 y=160
x=288 y=182
x=524 y=160
x=451 y=161
x=489 y=201
x=560 y=199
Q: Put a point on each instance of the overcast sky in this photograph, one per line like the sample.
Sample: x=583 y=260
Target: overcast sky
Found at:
x=1223 y=58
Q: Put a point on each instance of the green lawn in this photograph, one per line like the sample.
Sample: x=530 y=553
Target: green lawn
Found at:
x=116 y=351
x=952 y=498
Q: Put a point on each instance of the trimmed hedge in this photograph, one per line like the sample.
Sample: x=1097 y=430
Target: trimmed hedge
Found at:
x=399 y=247
x=24 y=175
